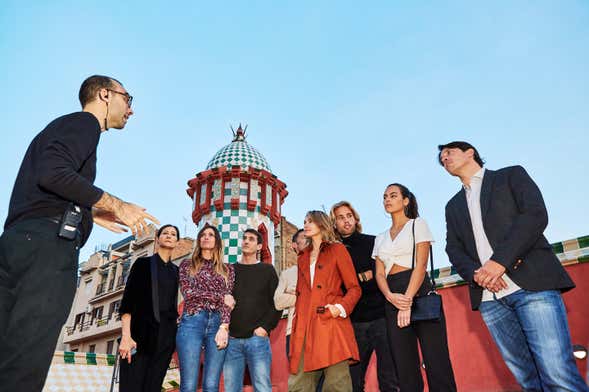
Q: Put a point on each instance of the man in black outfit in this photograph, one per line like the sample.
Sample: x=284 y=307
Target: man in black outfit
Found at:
x=495 y=239
x=252 y=319
x=368 y=318
x=39 y=247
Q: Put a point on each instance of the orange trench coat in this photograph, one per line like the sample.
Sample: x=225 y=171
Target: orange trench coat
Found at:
x=328 y=340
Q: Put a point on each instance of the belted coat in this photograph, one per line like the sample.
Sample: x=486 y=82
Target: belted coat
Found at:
x=327 y=340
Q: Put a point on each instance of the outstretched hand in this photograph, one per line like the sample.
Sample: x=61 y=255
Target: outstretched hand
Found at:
x=110 y=211
x=134 y=217
x=107 y=220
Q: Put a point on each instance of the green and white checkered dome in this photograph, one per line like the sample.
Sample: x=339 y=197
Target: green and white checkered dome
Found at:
x=239 y=153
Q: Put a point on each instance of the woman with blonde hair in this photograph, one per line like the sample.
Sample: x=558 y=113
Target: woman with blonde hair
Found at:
x=322 y=338
x=205 y=280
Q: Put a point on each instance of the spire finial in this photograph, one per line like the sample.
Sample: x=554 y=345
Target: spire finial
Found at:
x=239 y=134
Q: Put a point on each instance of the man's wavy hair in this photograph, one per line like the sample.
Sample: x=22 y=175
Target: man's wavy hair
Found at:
x=344 y=203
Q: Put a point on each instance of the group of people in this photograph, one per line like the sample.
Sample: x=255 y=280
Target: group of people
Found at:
x=227 y=315
x=350 y=294
x=348 y=287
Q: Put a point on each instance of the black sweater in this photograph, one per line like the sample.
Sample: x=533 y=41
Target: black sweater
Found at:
x=254 y=289
x=59 y=167
x=371 y=304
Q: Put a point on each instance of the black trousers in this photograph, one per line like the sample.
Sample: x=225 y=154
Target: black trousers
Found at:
x=372 y=336
x=432 y=340
x=147 y=370
x=38 y=274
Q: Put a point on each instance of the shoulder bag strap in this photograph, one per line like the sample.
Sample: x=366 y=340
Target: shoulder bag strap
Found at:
x=413 y=254
x=431 y=257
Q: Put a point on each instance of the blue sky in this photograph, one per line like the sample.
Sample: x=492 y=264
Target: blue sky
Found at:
x=341 y=98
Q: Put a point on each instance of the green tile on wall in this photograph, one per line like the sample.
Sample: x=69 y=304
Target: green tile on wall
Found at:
x=91 y=358
x=69 y=357
x=557 y=247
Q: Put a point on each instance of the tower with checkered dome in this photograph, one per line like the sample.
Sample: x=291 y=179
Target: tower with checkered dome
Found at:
x=237 y=191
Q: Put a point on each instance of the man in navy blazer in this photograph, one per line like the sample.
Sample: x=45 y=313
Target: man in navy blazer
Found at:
x=495 y=240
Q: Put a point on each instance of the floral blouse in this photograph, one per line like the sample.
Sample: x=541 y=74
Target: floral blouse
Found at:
x=206 y=290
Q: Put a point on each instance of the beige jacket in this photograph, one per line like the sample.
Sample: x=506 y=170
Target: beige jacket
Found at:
x=284 y=300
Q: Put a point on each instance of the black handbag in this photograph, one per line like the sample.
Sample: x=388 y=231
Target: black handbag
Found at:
x=426 y=307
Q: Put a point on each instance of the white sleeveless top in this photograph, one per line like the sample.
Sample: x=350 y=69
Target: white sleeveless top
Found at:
x=400 y=250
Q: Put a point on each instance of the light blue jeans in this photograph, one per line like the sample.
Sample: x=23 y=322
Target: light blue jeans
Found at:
x=195 y=332
x=531 y=330
x=256 y=353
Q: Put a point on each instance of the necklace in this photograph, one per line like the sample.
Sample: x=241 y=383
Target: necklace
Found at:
x=394 y=231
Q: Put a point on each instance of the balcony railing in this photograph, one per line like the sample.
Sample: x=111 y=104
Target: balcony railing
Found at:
x=101 y=289
x=80 y=327
x=98 y=322
x=112 y=286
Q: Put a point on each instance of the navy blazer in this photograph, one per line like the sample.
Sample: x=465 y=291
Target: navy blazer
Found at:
x=141 y=300
x=514 y=218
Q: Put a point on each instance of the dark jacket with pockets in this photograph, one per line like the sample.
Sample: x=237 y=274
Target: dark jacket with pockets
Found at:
x=514 y=218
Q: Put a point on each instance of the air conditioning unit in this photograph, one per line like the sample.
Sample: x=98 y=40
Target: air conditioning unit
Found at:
x=89 y=308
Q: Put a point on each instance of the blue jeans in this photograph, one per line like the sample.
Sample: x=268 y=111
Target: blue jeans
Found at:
x=195 y=332
x=531 y=330
x=256 y=353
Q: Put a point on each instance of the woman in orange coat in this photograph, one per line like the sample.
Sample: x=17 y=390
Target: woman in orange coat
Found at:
x=322 y=338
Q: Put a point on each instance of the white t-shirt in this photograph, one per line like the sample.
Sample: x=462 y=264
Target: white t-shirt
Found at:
x=400 y=250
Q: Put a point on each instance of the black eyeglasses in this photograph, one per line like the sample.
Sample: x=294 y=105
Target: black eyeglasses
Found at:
x=127 y=95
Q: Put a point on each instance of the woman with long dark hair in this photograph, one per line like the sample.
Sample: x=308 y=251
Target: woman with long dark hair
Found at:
x=322 y=338
x=148 y=317
x=205 y=280
x=400 y=282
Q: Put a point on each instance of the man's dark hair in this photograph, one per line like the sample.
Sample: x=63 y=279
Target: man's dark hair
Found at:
x=295 y=235
x=463 y=146
x=92 y=84
x=257 y=234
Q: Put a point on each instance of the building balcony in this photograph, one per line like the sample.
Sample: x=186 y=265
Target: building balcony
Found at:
x=106 y=325
x=104 y=291
x=101 y=289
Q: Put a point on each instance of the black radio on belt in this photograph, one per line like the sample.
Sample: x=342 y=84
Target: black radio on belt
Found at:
x=72 y=217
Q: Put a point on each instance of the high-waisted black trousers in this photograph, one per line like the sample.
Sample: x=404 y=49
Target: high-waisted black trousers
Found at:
x=432 y=340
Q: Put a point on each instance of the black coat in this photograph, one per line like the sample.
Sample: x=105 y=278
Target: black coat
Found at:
x=141 y=300
x=514 y=218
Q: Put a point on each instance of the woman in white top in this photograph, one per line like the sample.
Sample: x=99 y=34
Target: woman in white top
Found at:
x=393 y=251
